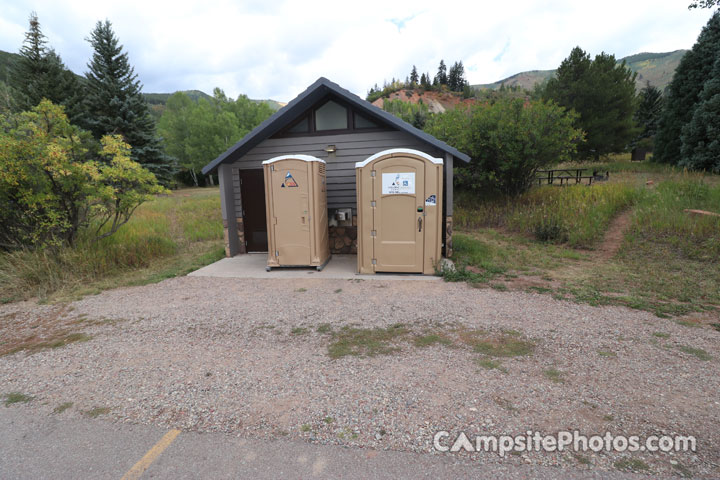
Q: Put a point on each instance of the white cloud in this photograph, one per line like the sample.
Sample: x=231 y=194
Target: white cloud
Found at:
x=276 y=49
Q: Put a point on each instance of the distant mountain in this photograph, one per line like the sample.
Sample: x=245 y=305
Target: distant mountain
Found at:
x=162 y=98
x=656 y=68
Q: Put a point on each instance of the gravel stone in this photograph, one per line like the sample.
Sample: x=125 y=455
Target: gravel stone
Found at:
x=217 y=355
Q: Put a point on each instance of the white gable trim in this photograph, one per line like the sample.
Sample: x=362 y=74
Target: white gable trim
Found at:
x=384 y=153
x=304 y=158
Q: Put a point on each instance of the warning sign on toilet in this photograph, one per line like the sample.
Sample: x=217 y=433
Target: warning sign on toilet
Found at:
x=398 y=183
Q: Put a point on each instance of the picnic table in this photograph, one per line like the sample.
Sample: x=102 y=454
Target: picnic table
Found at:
x=568 y=176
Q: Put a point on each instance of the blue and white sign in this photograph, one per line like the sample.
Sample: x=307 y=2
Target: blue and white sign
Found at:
x=398 y=183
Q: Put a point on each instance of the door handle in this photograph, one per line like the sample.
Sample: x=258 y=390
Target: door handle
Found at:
x=419 y=224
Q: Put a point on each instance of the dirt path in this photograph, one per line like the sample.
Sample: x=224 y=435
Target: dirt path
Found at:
x=252 y=358
x=614 y=236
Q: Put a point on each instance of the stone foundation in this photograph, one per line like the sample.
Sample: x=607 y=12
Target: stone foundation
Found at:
x=343 y=239
x=241 y=235
x=239 y=231
x=448 y=237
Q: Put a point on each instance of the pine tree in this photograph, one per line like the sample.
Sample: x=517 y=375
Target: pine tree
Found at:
x=649 y=109
x=441 y=78
x=603 y=93
x=456 y=77
x=114 y=103
x=683 y=93
x=414 y=76
x=40 y=73
x=701 y=137
x=461 y=81
x=452 y=77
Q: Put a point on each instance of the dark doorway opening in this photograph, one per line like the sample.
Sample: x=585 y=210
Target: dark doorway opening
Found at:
x=252 y=192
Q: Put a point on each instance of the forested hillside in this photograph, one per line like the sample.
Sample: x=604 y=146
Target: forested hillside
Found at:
x=656 y=68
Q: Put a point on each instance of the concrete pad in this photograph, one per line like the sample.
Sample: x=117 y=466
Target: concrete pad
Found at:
x=252 y=265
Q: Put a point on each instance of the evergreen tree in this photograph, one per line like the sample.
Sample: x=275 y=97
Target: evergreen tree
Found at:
x=40 y=73
x=456 y=77
x=701 y=137
x=414 y=76
x=423 y=80
x=683 y=93
x=441 y=78
x=114 y=103
x=603 y=93
x=649 y=109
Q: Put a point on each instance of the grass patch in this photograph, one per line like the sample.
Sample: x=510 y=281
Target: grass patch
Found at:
x=668 y=262
x=575 y=215
x=503 y=346
x=431 y=339
x=485 y=255
x=301 y=290
x=607 y=353
x=166 y=237
x=554 y=375
x=328 y=420
x=631 y=465
x=661 y=335
x=689 y=323
x=582 y=460
x=338 y=290
x=324 y=328
x=366 y=342
x=299 y=331
x=33 y=345
x=305 y=428
x=62 y=407
x=697 y=352
x=16 y=397
x=490 y=364
x=682 y=470
x=97 y=411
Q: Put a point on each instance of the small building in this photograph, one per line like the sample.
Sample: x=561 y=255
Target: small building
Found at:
x=330 y=123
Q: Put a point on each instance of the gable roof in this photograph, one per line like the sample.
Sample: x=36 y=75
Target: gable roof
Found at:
x=314 y=93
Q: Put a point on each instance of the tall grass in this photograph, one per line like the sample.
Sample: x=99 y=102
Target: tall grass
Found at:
x=660 y=217
x=577 y=215
x=170 y=234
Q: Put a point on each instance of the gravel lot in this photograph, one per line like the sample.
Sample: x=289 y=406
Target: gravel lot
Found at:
x=244 y=357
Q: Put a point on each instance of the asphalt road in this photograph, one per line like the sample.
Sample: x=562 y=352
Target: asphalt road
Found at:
x=38 y=446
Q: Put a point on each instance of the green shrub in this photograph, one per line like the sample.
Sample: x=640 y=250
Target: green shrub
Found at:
x=507 y=141
x=54 y=182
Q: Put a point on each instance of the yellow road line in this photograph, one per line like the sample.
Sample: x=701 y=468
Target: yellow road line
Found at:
x=137 y=470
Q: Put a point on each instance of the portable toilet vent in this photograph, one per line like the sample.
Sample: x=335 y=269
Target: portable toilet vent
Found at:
x=296 y=211
x=399 y=202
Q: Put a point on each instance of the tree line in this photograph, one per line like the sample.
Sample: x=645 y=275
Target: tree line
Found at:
x=450 y=81
x=79 y=154
x=588 y=110
x=688 y=133
x=198 y=131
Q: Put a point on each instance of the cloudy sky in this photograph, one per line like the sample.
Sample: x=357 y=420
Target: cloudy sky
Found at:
x=275 y=48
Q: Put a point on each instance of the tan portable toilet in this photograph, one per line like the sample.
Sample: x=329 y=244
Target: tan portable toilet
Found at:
x=296 y=211
x=399 y=202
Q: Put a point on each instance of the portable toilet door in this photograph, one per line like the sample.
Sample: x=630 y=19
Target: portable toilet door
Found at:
x=296 y=211
x=399 y=201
